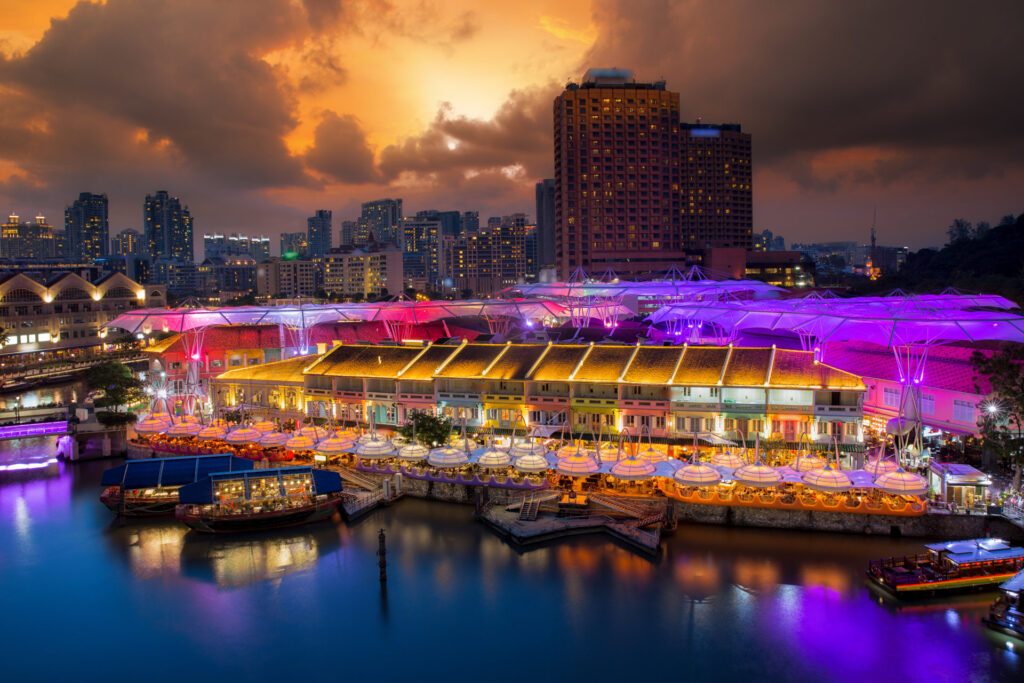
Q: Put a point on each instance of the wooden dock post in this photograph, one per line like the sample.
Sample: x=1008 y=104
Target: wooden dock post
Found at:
x=382 y=556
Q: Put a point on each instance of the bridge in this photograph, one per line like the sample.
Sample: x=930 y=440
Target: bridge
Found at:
x=26 y=431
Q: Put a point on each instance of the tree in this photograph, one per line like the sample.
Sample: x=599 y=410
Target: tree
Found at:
x=981 y=229
x=120 y=387
x=431 y=430
x=1004 y=415
x=1008 y=219
x=960 y=230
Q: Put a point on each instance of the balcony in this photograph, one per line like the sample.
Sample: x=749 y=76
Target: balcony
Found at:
x=645 y=403
x=464 y=396
x=594 y=402
x=789 y=408
x=837 y=411
x=503 y=397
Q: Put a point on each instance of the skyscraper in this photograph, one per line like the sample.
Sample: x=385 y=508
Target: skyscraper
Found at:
x=86 y=227
x=319 y=233
x=717 y=201
x=451 y=221
x=545 y=222
x=625 y=173
x=168 y=227
x=487 y=260
x=128 y=242
x=470 y=221
x=421 y=253
x=383 y=217
x=348 y=232
x=24 y=240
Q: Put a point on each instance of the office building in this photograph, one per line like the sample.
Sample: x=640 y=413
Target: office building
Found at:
x=470 y=221
x=236 y=244
x=181 y=278
x=128 y=242
x=382 y=219
x=451 y=221
x=27 y=240
x=86 y=227
x=320 y=233
x=363 y=272
x=485 y=261
x=227 y=276
x=282 y=278
x=294 y=245
x=168 y=227
x=545 y=234
x=348 y=232
x=421 y=253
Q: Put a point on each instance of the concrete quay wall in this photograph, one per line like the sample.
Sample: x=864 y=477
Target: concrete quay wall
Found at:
x=943 y=526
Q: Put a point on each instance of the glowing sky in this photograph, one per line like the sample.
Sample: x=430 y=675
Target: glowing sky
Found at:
x=257 y=112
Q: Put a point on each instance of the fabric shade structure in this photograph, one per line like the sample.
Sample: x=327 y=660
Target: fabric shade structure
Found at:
x=212 y=432
x=243 y=435
x=274 y=439
x=633 y=468
x=758 y=475
x=375 y=448
x=580 y=464
x=520 y=450
x=264 y=426
x=187 y=418
x=879 y=466
x=333 y=445
x=494 y=457
x=902 y=483
x=465 y=443
x=150 y=426
x=300 y=442
x=727 y=459
x=808 y=462
x=185 y=429
x=447 y=457
x=827 y=480
x=697 y=474
x=532 y=463
x=413 y=452
x=608 y=453
x=652 y=454
x=314 y=433
x=163 y=417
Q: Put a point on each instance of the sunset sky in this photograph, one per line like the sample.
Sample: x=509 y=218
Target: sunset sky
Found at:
x=257 y=112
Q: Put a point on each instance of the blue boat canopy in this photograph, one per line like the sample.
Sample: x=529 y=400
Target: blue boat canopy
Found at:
x=201 y=492
x=154 y=472
x=1015 y=584
x=977 y=550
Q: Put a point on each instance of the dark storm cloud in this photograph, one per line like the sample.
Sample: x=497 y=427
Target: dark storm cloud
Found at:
x=340 y=150
x=933 y=81
x=518 y=134
x=184 y=71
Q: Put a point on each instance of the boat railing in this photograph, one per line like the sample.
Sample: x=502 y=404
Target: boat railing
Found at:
x=914 y=561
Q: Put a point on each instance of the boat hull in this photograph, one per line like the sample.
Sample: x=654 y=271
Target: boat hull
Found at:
x=969 y=584
x=1004 y=628
x=138 y=507
x=213 y=523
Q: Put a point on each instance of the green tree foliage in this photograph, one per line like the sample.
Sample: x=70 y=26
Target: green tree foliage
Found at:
x=1003 y=427
x=430 y=430
x=119 y=385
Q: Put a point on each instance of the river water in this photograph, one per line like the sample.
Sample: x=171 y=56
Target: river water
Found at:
x=83 y=598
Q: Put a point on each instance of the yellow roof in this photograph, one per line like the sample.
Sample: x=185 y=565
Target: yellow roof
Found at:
x=427 y=363
x=604 y=364
x=748 y=367
x=701 y=365
x=289 y=371
x=365 y=361
x=516 y=362
x=471 y=360
x=798 y=369
x=558 y=363
x=162 y=345
x=653 y=365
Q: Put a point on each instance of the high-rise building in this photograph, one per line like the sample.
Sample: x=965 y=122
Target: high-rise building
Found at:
x=168 y=227
x=86 y=227
x=635 y=190
x=382 y=217
x=485 y=261
x=319 y=233
x=236 y=244
x=717 y=197
x=227 y=276
x=470 y=221
x=128 y=242
x=294 y=245
x=421 y=253
x=358 y=272
x=348 y=232
x=545 y=195
x=181 y=277
x=282 y=278
x=451 y=221
x=27 y=240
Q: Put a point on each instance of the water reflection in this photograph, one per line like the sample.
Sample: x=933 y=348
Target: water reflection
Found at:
x=163 y=549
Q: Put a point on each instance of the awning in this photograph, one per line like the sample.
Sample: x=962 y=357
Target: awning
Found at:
x=154 y=472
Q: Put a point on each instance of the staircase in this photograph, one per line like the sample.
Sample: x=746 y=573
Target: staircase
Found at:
x=528 y=512
x=361 y=480
x=626 y=507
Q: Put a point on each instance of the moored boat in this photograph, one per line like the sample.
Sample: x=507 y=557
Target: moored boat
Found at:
x=948 y=567
x=1007 y=613
x=149 y=488
x=229 y=502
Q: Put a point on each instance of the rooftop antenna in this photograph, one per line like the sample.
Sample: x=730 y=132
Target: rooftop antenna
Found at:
x=874 y=219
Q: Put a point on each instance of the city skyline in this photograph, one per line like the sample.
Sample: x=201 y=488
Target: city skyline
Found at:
x=308 y=118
